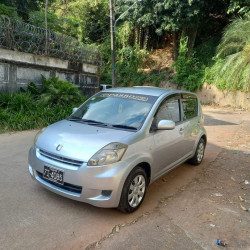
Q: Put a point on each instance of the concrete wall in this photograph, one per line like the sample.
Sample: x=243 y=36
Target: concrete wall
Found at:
x=209 y=94
x=18 y=69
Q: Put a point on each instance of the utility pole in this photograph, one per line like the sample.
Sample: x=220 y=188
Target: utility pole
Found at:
x=112 y=33
x=46 y=27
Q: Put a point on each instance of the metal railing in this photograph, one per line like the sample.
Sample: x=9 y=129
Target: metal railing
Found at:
x=20 y=36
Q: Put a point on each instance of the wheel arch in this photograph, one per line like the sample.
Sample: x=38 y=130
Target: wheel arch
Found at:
x=147 y=168
x=204 y=137
x=140 y=167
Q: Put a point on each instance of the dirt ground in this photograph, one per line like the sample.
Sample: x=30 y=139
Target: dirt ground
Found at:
x=211 y=206
x=188 y=208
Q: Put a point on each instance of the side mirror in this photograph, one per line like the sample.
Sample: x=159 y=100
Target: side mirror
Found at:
x=74 y=110
x=166 y=125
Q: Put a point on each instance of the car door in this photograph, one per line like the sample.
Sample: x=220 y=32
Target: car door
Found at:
x=169 y=144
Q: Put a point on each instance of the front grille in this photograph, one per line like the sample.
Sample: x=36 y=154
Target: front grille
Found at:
x=61 y=159
x=65 y=186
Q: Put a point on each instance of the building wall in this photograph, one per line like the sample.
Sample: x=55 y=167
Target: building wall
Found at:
x=18 y=69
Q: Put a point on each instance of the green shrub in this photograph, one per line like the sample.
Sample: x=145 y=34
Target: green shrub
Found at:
x=56 y=92
x=189 y=72
x=5 y=100
x=16 y=102
x=130 y=60
x=32 y=109
x=193 y=70
x=32 y=89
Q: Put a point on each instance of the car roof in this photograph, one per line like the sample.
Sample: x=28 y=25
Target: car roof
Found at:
x=146 y=90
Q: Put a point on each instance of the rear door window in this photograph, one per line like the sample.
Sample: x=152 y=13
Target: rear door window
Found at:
x=189 y=106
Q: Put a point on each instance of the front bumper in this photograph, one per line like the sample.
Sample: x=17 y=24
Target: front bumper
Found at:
x=99 y=186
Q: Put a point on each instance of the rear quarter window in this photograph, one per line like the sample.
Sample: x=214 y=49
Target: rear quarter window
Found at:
x=190 y=106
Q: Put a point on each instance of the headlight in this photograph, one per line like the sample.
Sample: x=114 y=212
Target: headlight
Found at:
x=111 y=153
x=37 y=136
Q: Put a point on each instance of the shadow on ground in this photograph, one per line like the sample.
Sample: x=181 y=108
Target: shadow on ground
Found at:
x=210 y=121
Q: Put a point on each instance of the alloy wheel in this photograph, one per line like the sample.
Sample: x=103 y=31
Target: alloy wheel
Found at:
x=200 y=152
x=136 y=191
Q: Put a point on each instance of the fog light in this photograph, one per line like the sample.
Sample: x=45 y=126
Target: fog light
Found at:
x=106 y=193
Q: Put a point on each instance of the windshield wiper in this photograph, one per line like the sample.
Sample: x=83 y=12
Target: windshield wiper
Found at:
x=93 y=122
x=124 y=126
x=74 y=118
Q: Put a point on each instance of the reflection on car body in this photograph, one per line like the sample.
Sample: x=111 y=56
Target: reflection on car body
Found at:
x=117 y=143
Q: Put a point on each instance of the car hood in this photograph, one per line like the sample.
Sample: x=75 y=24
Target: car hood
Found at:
x=79 y=141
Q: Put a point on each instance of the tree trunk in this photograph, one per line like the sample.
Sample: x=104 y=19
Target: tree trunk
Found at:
x=191 y=33
x=145 y=42
x=112 y=41
x=176 y=41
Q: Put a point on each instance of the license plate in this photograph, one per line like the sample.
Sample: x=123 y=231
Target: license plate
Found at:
x=53 y=174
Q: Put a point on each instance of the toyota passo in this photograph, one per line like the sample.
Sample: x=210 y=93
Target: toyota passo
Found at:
x=117 y=143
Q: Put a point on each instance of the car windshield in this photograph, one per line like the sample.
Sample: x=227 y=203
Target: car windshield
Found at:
x=117 y=110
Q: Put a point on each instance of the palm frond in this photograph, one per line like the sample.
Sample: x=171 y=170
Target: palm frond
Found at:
x=232 y=65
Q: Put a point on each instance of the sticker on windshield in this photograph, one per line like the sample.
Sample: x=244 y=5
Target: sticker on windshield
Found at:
x=126 y=96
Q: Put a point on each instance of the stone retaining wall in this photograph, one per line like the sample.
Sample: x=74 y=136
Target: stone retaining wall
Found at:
x=209 y=94
x=18 y=69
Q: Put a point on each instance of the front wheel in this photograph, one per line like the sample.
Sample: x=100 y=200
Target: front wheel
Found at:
x=134 y=190
x=199 y=153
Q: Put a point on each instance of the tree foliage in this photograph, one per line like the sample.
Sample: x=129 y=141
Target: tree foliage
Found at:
x=232 y=67
x=8 y=11
x=151 y=24
x=239 y=7
x=23 y=7
x=189 y=71
x=86 y=20
x=37 y=18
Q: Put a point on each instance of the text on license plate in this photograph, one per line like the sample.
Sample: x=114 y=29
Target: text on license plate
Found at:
x=53 y=174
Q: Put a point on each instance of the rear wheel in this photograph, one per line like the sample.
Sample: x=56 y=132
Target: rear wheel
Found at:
x=134 y=190
x=199 y=153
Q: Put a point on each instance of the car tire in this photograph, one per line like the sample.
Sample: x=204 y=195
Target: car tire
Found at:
x=133 y=191
x=199 y=153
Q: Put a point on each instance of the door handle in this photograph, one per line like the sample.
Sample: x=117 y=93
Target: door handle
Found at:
x=181 y=130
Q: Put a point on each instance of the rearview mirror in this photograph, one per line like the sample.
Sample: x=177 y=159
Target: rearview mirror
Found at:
x=166 y=125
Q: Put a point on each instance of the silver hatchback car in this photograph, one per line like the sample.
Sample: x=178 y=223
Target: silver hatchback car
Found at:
x=117 y=143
